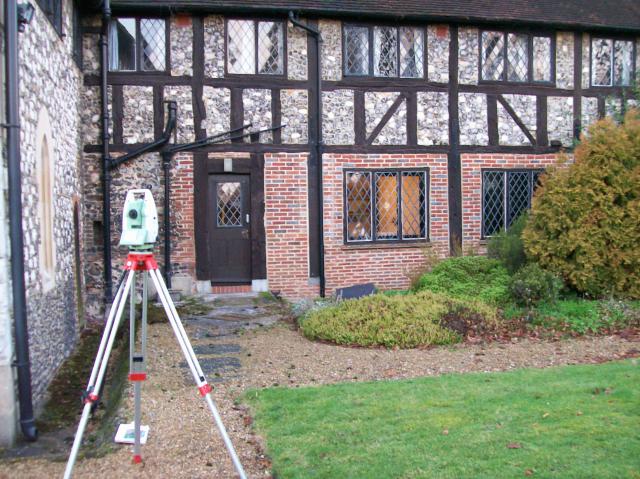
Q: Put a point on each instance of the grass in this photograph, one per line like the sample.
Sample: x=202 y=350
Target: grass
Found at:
x=565 y=422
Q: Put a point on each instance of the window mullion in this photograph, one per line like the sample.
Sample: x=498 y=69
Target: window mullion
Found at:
x=138 y=43
x=371 y=49
x=373 y=212
x=398 y=60
x=256 y=30
x=505 y=220
x=505 y=55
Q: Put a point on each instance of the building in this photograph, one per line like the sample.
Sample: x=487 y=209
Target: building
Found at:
x=375 y=131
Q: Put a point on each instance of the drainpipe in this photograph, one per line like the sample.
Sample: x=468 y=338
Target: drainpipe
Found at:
x=106 y=159
x=318 y=143
x=27 y=422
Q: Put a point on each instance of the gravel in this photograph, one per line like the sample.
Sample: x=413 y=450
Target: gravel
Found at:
x=183 y=441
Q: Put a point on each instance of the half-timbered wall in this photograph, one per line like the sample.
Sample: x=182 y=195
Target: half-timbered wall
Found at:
x=450 y=120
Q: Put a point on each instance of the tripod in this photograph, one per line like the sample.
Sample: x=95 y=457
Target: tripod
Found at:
x=142 y=261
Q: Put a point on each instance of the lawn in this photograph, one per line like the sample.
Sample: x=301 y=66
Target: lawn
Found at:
x=565 y=422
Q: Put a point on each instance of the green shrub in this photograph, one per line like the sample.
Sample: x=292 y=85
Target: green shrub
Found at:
x=578 y=316
x=468 y=277
x=585 y=220
x=507 y=246
x=404 y=321
x=531 y=285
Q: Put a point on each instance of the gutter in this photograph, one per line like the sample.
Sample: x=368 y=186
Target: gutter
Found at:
x=23 y=367
x=317 y=144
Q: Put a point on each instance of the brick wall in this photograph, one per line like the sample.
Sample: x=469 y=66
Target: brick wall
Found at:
x=472 y=165
x=388 y=266
x=287 y=225
x=183 y=254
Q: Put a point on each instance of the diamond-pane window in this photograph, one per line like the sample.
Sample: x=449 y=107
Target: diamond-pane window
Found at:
x=601 y=61
x=356 y=57
x=622 y=62
x=519 y=198
x=414 y=205
x=152 y=31
x=395 y=201
x=542 y=59
x=386 y=205
x=229 y=204
x=241 y=46
x=517 y=57
x=358 y=198
x=270 y=48
x=411 y=52
x=385 y=51
x=505 y=196
x=492 y=55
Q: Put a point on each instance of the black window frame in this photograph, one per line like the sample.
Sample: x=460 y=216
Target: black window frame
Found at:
x=76 y=25
x=138 y=59
x=374 y=239
x=505 y=197
x=53 y=10
x=613 y=38
x=530 y=36
x=370 y=51
x=256 y=22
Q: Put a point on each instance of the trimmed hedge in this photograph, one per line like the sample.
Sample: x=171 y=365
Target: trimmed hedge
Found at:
x=466 y=277
x=404 y=321
x=585 y=220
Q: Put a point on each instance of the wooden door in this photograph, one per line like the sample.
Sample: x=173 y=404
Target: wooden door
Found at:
x=229 y=228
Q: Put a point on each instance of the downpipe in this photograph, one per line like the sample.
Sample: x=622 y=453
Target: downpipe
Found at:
x=106 y=159
x=23 y=366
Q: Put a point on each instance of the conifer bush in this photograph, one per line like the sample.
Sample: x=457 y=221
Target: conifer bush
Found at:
x=585 y=219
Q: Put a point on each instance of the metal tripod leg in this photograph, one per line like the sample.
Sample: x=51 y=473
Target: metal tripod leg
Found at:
x=194 y=365
x=138 y=370
x=99 y=367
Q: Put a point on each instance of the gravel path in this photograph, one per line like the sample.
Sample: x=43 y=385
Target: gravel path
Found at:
x=240 y=347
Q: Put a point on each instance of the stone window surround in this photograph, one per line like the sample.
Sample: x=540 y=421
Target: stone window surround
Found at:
x=370 y=27
x=505 y=205
x=45 y=165
x=530 y=34
x=167 y=46
x=256 y=21
x=614 y=38
x=373 y=189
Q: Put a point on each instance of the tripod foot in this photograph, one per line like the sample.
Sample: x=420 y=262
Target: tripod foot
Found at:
x=137 y=459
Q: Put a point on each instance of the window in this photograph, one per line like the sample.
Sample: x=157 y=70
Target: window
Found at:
x=383 y=51
x=53 y=11
x=138 y=44
x=255 y=47
x=516 y=57
x=612 y=62
x=77 y=35
x=385 y=205
x=506 y=195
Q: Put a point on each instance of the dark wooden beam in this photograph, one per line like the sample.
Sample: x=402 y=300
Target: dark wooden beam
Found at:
x=577 y=84
x=412 y=117
x=454 y=165
x=117 y=113
x=359 y=121
x=492 y=120
x=542 y=134
x=276 y=115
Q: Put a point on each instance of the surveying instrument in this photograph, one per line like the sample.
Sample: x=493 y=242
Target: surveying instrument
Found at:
x=139 y=233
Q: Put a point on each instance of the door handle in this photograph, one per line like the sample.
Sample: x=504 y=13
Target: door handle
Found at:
x=247 y=217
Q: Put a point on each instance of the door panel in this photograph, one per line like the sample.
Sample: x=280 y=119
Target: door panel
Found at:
x=229 y=228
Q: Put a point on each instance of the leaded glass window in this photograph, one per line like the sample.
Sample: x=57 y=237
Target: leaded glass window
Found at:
x=383 y=51
x=255 y=47
x=229 y=204
x=138 y=44
x=612 y=62
x=389 y=205
x=506 y=194
x=516 y=57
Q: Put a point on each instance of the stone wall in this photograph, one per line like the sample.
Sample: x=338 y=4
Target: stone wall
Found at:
x=50 y=102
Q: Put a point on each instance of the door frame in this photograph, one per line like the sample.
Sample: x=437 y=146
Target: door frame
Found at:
x=205 y=165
